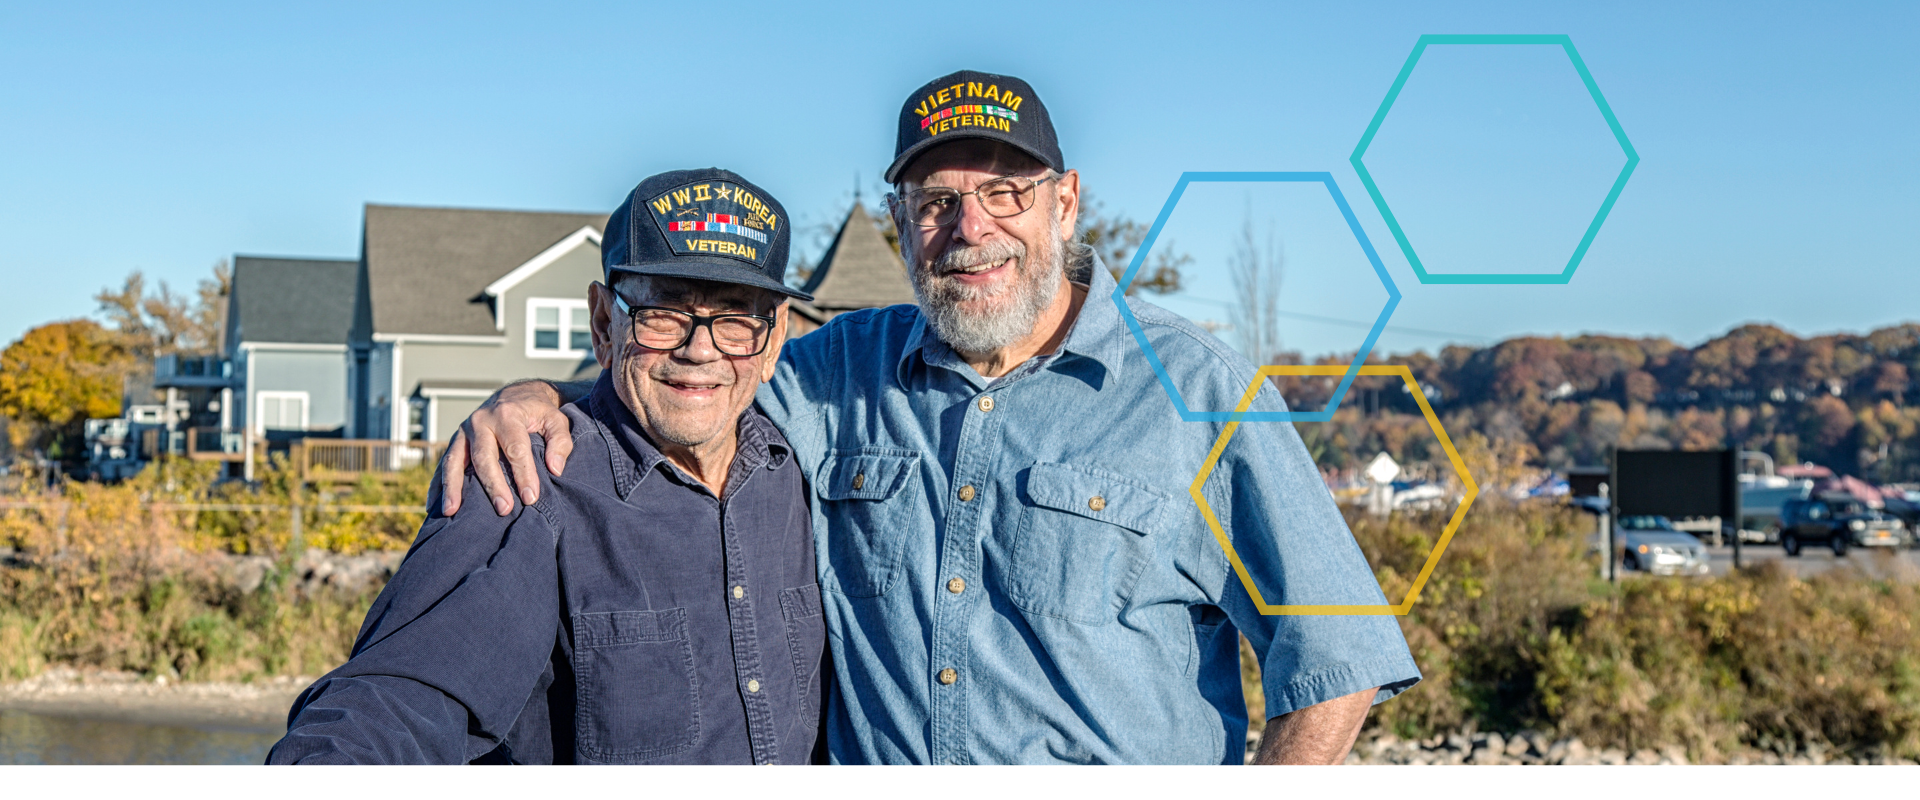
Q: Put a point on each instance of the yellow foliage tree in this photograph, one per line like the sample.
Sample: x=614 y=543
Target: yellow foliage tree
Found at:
x=57 y=375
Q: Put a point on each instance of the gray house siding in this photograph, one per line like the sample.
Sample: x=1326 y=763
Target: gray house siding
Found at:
x=444 y=299
x=286 y=332
x=316 y=375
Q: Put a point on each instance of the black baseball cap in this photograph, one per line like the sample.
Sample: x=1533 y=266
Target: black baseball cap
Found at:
x=705 y=224
x=975 y=105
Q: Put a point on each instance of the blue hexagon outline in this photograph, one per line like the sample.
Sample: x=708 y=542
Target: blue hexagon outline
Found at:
x=1495 y=278
x=1153 y=358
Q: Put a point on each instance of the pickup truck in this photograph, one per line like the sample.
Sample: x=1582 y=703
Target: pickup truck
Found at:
x=1838 y=522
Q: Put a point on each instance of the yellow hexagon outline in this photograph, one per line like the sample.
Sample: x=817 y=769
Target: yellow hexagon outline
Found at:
x=1446 y=535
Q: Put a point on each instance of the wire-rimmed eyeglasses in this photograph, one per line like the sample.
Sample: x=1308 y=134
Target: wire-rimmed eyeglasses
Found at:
x=939 y=206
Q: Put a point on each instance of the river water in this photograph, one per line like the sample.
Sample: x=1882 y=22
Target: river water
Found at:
x=40 y=739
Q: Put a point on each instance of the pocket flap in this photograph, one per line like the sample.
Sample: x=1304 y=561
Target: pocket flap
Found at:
x=629 y=627
x=1097 y=494
x=867 y=474
x=801 y=602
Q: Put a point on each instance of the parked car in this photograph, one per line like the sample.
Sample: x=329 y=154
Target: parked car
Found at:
x=1653 y=545
x=1837 y=522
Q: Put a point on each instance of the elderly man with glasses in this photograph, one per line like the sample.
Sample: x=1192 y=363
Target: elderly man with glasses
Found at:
x=659 y=603
x=1012 y=569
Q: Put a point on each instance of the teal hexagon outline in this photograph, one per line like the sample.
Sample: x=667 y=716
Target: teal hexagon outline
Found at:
x=1366 y=179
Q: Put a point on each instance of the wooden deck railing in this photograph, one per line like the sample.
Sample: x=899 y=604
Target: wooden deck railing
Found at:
x=216 y=444
x=348 y=459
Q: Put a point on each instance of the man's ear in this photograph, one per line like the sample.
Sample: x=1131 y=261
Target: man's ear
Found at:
x=1068 y=195
x=772 y=354
x=600 y=303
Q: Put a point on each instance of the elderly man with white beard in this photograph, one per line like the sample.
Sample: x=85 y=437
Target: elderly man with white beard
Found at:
x=1011 y=569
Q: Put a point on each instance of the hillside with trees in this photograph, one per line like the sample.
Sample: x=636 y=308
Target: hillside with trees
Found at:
x=1838 y=400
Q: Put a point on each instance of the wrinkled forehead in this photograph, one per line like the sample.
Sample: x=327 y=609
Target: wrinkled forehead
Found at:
x=657 y=290
x=984 y=156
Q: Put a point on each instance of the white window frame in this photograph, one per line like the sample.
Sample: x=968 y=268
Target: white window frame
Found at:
x=260 y=409
x=565 y=306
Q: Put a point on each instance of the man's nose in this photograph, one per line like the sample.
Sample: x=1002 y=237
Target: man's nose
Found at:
x=699 y=346
x=974 y=223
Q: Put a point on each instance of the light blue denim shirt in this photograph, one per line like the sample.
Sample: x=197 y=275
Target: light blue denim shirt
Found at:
x=983 y=607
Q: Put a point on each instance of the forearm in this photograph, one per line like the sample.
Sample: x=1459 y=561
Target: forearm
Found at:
x=564 y=392
x=374 y=720
x=1318 y=734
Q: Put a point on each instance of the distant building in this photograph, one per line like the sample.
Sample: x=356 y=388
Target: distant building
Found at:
x=859 y=270
x=452 y=303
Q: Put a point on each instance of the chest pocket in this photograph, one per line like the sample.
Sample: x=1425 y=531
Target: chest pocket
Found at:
x=1082 y=542
x=868 y=502
x=638 y=695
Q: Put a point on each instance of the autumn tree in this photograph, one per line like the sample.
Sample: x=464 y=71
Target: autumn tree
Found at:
x=161 y=321
x=1117 y=239
x=57 y=376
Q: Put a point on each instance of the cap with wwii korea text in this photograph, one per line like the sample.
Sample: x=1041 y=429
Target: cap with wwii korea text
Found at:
x=704 y=224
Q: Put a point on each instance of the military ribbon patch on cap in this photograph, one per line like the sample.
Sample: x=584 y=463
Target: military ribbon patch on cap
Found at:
x=715 y=218
x=946 y=113
x=935 y=120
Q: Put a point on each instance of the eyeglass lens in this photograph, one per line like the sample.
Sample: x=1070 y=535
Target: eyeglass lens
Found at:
x=1004 y=197
x=663 y=329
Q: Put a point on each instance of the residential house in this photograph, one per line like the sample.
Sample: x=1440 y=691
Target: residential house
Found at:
x=452 y=303
x=859 y=270
x=286 y=343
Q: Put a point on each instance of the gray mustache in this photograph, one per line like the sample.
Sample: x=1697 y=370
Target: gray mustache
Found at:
x=989 y=253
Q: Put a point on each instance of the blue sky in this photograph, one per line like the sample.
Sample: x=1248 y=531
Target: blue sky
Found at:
x=1777 y=141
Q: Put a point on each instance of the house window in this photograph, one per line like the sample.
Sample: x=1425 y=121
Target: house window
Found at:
x=281 y=411
x=558 y=328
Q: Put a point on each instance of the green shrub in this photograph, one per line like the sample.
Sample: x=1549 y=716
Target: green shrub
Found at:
x=1513 y=631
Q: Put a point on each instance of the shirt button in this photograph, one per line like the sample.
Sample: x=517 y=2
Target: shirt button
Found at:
x=986 y=404
x=739 y=592
x=966 y=493
x=859 y=480
x=753 y=686
x=956 y=585
x=1097 y=503
x=948 y=676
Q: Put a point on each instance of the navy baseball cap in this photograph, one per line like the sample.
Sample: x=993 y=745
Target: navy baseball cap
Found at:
x=975 y=105
x=705 y=224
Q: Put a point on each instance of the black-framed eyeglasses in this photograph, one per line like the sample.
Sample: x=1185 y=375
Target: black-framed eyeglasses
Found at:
x=939 y=206
x=658 y=328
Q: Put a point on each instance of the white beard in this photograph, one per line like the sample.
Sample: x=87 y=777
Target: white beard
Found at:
x=978 y=320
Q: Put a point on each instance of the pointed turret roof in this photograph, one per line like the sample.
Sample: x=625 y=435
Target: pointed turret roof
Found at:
x=859 y=270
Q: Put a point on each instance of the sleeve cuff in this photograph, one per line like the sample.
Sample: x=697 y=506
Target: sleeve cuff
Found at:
x=1392 y=675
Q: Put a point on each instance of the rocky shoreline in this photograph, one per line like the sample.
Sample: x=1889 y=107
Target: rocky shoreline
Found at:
x=258 y=706
x=1534 y=747
x=261 y=706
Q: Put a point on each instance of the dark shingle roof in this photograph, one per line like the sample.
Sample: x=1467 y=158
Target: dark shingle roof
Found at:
x=426 y=267
x=291 y=300
x=859 y=270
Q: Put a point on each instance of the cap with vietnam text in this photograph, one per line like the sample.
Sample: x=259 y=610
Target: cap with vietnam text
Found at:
x=975 y=105
x=704 y=224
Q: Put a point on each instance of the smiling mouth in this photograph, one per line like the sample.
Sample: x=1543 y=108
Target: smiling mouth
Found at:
x=690 y=387
x=980 y=269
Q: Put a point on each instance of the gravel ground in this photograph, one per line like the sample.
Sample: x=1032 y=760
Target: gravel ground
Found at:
x=258 y=706
x=1531 y=747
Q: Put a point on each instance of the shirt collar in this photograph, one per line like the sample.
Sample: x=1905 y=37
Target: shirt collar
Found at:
x=1097 y=334
x=634 y=457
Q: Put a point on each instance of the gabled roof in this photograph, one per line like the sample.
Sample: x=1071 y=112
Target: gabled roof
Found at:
x=859 y=270
x=290 y=300
x=428 y=268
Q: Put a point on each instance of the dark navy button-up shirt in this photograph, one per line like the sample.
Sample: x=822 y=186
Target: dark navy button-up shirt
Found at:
x=627 y=617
